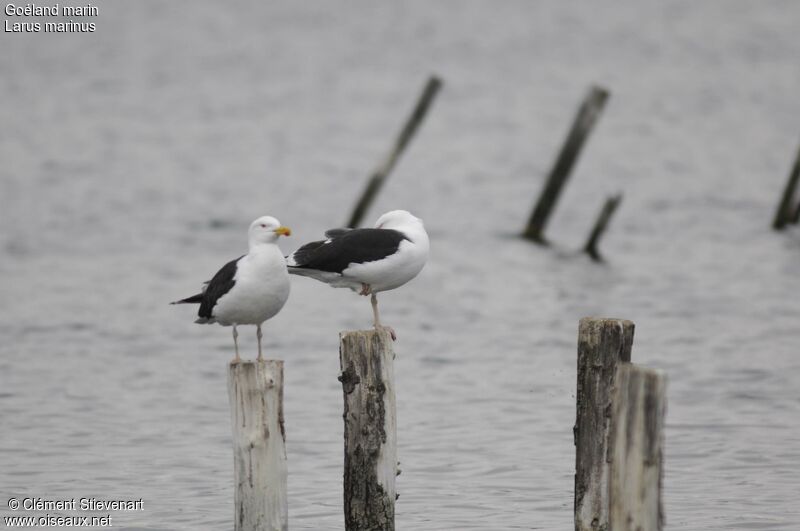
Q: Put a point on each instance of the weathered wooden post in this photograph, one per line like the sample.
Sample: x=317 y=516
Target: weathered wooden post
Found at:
x=382 y=172
x=370 y=430
x=636 y=449
x=255 y=392
x=603 y=344
x=600 y=225
x=587 y=115
x=785 y=213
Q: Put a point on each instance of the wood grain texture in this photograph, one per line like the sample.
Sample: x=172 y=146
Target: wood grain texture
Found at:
x=602 y=345
x=636 y=449
x=370 y=427
x=255 y=392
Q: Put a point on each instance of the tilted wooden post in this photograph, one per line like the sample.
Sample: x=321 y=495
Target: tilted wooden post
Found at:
x=603 y=344
x=785 y=213
x=587 y=115
x=370 y=430
x=636 y=454
x=600 y=225
x=382 y=172
x=255 y=392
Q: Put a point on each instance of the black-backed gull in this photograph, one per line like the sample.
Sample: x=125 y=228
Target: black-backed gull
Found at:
x=250 y=289
x=367 y=261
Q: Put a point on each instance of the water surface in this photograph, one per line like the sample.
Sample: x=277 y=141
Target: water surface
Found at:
x=135 y=157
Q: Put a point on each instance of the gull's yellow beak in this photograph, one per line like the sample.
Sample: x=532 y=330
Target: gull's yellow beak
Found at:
x=283 y=231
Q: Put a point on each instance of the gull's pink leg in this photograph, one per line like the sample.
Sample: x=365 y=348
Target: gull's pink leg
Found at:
x=377 y=322
x=258 y=335
x=237 y=359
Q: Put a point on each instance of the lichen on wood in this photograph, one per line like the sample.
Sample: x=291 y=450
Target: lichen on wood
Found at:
x=370 y=460
x=602 y=345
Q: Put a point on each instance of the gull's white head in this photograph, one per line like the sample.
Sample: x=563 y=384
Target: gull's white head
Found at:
x=398 y=220
x=266 y=229
x=407 y=223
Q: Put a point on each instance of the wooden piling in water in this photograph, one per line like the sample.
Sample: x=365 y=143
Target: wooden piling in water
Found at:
x=255 y=392
x=587 y=115
x=603 y=344
x=636 y=441
x=796 y=215
x=785 y=213
x=600 y=225
x=382 y=171
x=370 y=430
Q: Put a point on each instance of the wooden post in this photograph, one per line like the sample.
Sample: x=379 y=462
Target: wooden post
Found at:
x=587 y=115
x=603 y=344
x=382 y=172
x=784 y=214
x=636 y=449
x=600 y=226
x=370 y=430
x=255 y=392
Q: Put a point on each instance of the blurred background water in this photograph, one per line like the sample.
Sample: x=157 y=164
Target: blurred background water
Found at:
x=134 y=158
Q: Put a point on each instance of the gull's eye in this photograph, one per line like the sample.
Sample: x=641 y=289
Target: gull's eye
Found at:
x=263 y=226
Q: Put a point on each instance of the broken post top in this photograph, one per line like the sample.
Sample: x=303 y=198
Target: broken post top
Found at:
x=358 y=350
x=601 y=331
x=244 y=366
x=597 y=321
x=360 y=347
x=368 y=333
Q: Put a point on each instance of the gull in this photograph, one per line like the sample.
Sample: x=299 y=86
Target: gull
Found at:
x=367 y=261
x=250 y=289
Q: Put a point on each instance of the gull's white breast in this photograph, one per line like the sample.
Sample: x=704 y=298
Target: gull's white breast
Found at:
x=261 y=289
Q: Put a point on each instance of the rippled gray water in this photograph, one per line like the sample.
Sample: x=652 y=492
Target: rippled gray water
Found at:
x=134 y=158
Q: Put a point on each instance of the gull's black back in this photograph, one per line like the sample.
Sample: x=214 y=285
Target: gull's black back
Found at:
x=344 y=247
